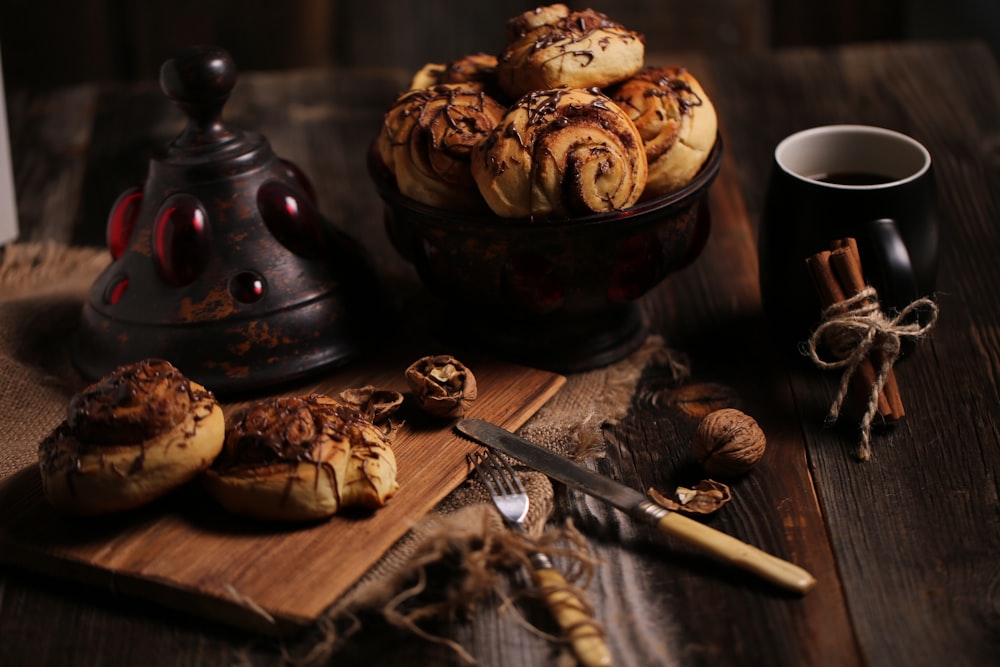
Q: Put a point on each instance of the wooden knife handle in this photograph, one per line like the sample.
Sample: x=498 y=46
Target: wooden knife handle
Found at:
x=573 y=617
x=733 y=551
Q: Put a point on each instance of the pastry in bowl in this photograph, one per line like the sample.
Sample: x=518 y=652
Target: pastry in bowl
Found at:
x=560 y=293
x=559 y=153
x=130 y=438
x=550 y=270
x=475 y=69
x=676 y=120
x=426 y=141
x=302 y=458
x=552 y=46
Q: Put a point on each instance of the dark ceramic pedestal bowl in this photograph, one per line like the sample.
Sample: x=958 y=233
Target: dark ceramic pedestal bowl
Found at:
x=557 y=294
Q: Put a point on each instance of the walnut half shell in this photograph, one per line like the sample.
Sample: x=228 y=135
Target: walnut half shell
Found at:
x=442 y=385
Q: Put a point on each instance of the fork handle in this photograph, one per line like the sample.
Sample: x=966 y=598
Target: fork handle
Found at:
x=572 y=615
x=732 y=551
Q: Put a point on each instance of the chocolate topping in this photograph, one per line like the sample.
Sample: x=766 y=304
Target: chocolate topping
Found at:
x=431 y=132
x=546 y=112
x=604 y=143
x=132 y=404
x=462 y=109
x=474 y=68
x=127 y=408
x=669 y=82
x=288 y=430
x=574 y=28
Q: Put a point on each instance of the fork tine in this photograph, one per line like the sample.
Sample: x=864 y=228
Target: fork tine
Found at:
x=512 y=478
x=503 y=485
x=485 y=476
x=569 y=610
x=496 y=473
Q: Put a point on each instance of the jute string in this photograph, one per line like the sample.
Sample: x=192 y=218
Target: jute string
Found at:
x=852 y=330
x=454 y=559
x=450 y=563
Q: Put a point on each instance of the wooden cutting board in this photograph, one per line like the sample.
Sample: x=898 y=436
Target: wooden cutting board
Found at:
x=185 y=552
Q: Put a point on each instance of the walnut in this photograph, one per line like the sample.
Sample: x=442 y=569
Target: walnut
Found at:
x=705 y=497
x=728 y=443
x=442 y=385
x=377 y=405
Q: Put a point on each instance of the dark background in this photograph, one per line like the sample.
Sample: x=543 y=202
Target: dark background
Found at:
x=56 y=42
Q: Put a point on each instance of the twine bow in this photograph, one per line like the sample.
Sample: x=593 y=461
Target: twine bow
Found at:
x=854 y=328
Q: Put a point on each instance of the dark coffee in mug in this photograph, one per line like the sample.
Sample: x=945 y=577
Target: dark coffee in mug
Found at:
x=828 y=183
x=852 y=178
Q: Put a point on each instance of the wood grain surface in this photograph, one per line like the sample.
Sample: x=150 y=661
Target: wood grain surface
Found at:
x=904 y=547
x=187 y=553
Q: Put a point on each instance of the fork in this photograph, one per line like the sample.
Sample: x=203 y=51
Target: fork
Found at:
x=569 y=611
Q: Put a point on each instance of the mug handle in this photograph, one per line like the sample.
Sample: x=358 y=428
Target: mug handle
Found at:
x=894 y=262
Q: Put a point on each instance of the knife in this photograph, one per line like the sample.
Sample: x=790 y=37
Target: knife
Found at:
x=716 y=543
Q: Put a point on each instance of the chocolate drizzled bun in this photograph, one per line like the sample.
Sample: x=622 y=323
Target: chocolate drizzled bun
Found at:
x=559 y=153
x=677 y=122
x=130 y=438
x=551 y=46
x=477 y=70
x=427 y=138
x=302 y=458
x=131 y=404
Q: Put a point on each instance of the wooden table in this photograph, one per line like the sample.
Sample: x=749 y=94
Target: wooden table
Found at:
x=905 y=547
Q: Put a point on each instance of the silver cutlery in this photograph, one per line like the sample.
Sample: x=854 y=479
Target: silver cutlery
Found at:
x=709 y=540
x=570 y=612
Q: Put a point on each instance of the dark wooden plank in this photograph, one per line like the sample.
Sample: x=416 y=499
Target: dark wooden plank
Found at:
x=169 y=554
x=709 y=26
x=824 y=24
x=912 y=534
x=711 y=311
x=46 y=44
x=259 y=35
x=453 y=28
x=49 y=137
x=918 y=569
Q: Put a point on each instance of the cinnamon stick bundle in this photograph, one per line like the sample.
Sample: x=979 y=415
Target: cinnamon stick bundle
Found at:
x=837 y=276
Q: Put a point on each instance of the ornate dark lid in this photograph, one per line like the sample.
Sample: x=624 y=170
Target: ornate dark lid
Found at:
x=222 y=263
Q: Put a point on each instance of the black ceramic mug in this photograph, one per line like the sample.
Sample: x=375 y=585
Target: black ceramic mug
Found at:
x=839 y=181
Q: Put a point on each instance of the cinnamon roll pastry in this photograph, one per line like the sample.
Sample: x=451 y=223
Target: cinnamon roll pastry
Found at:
x=559 y=153
x=676 y=120
x=427 y=138
x=302 y=458
x=130 y=438
x=428 y=75
x=477 y=70
x=525 y=22
x=552 y=46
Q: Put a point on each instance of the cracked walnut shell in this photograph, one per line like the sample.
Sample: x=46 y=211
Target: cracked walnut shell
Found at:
x=442 y=385
x=728 y=443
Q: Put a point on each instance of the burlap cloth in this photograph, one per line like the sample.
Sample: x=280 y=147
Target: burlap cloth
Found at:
x=448 y=563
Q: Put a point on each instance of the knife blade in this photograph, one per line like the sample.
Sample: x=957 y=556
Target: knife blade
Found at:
x=633 y=503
